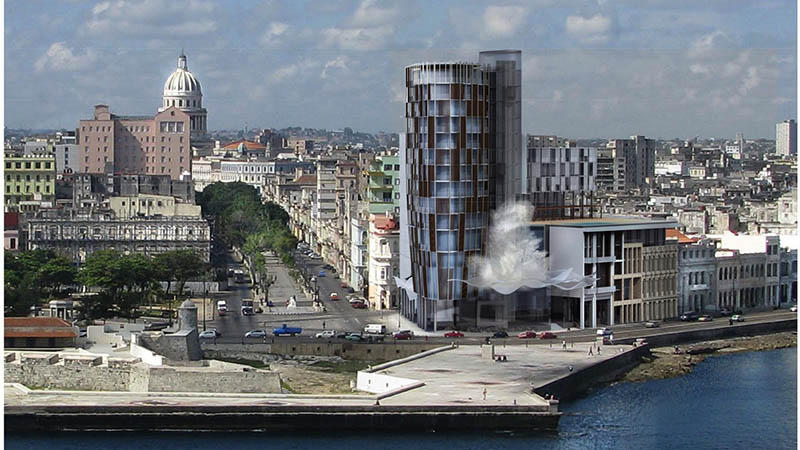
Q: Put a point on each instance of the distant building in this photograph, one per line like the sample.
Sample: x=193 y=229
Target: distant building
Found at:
x=786 y=137
x=562 y=181
x=78 y=234
x=639 y=155
x=11 y=232
x=38 y=332
x=383 y=188
x=29 y=178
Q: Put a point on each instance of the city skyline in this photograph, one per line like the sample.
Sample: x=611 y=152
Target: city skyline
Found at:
x=591 y=70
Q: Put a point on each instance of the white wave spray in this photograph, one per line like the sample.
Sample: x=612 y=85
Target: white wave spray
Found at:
x=513 y=259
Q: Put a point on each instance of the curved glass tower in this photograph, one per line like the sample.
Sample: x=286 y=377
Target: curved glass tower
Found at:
x=447 y=176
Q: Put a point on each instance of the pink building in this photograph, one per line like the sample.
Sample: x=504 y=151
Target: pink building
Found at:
x=136 y=144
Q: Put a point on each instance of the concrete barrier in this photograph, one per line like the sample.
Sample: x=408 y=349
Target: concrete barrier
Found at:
x=378 y=383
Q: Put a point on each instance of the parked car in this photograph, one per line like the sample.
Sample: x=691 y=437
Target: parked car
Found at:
x=359 y=305
x=340 y=335
x=725 y=311
x=605 y=331
x=793 y=308
x=321 y=274
x=547 y=335
x=608 y=339
x=737 y=318
x=334 y=296
x=651 y=324
x=313 y=279
x=500 y=334
x=287 y=331
x=354 y=337
x=530 y=334
x=344 y=285
x=256 y=334
x=210 y=334
x=689 y=316
x=403 y=335
x=705 y=318
x=259 y=310
x=454 y=334
x=325 y=334
x=327 y=267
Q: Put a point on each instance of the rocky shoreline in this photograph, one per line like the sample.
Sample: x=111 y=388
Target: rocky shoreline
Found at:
x=666 y=363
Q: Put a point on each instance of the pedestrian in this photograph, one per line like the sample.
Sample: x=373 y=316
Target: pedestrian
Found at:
x=564 y=344
x=570 y=368
x=515 y=402
x=323 y=324
x=590 y=352
x=598 y=349
x=730 y=321
x=484 y=393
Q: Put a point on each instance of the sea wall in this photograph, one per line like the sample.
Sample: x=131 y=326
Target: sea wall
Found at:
x=299 y=418
x=575 y=384
x=67 y=371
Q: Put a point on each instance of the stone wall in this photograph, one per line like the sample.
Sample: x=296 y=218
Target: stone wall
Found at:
x=75 y=372
x=362 y=352
x=71 y=371
x=178 y=346
x=720 y=332
x=244 y=380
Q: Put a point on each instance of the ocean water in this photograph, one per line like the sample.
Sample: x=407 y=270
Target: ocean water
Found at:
x=738 y=401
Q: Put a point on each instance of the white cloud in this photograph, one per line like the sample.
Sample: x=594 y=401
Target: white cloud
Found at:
x=590 y=30
x=708 y=43
x=371 y=13
x=503 y=21
x=152 y=17
x=699 y=69
x=339 y=63
x=357 y=38
x=273 y=35
x=59 y=57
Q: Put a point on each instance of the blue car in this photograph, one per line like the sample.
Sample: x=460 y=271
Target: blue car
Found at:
x=321 y=273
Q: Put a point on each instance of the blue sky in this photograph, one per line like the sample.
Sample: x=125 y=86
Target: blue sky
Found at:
x=674 y=68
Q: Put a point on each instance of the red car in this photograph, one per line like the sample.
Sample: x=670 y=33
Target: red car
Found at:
x=547 y=335
x=334 y=296
x=403 y=335
x=527 y=335
x=359 y=305
x=454 y=334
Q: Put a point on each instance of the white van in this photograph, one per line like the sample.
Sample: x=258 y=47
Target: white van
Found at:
x=222 y=307
x=375 y=328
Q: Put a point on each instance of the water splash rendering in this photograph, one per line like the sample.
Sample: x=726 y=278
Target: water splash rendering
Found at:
x=514 y=260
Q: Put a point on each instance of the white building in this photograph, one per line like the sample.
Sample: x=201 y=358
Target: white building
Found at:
x=786 y=138
x=384 y=261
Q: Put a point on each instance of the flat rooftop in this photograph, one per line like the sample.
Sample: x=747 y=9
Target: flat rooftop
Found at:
x=610 y=221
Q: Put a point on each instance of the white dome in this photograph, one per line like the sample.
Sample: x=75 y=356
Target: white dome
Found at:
x=181 y=81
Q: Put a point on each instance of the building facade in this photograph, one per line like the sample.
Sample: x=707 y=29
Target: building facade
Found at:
x=640 y=159
x=79 y=234
x=562 y=181
x=384 y=237
x=29 y=178
x=383 y=188
x=447 y=176
x=156 y=145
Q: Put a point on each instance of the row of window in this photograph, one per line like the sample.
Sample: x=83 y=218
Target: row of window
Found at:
x=171 y=127
x=38 y=189
x=180 y=103
x=27 y=177
x=29 y=165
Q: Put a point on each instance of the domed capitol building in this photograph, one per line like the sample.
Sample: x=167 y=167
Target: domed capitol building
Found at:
x=157 y=145
x=182 y=89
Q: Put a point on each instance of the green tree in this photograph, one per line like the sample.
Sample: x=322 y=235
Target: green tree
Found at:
x=179 y=266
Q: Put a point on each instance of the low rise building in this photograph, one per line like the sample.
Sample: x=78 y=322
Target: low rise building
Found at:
x=29 y=178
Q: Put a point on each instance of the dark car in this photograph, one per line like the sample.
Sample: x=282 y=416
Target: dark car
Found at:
x=354 y=337
x=725 y=311
x=340 y=335
x=689 y=316
x=403 y=335
x=327 y=267
x=547 y=335
x=321 y=273
x=500 y=334
x=359 y=305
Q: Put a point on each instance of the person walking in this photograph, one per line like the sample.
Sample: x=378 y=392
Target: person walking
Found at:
x=590 y=351
x=323 y=324
x=484 y=393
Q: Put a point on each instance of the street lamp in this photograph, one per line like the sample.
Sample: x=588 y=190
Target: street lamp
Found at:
x=205 y=300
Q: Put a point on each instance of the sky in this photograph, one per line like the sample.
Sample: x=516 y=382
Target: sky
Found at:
x=591 y=69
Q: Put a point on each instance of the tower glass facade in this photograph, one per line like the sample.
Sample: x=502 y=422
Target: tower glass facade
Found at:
x=448 y=176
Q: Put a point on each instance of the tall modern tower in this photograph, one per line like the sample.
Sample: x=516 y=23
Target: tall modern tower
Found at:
x=786 y=137
x=462 y=158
